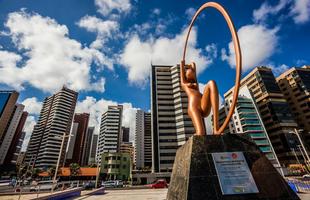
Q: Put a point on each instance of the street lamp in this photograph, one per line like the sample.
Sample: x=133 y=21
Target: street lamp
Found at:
x=59 y=156
x=296 y=132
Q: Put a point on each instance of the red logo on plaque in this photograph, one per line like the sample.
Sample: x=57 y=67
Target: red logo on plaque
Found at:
x=234 y=155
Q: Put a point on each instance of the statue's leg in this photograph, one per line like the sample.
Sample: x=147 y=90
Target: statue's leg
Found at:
x=197 y=120
x=210 y=99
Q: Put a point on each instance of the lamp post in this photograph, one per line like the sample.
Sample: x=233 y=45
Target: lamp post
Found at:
x=97 y=174
x=59 y=156
x=296 y=132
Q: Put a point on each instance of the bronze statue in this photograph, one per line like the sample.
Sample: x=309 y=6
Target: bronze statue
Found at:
x=200 y=105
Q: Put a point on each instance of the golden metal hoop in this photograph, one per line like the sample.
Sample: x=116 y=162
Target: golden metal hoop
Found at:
x=237 y=52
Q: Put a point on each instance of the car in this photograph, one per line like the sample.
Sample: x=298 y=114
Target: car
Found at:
x=306 y=177
x=113 y=184
x=89 y=185
x=161 y=183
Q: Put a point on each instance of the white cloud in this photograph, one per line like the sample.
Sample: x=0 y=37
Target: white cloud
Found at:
x=97 y=107
x=156 y=11
x=105 y=7
x=28 y=128
x=104 y=29
x=52 y=59
x=257 y=43
x=190 y=12
x=279 y=69
x=300 y=11
x=261 y=14
x=211 y=49
x=138 y=55
x=32 y=105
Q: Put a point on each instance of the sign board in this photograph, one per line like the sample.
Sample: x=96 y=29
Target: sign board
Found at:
x=233 y=173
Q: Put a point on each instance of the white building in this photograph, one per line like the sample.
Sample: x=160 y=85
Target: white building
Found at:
x=54 y=121
x=110 y=130
x=143 y=140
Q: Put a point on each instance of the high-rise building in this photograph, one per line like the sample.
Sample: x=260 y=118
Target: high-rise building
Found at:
x=125 y=134
x=54 y=122
x=17 y=140
x=110 y=131
x=87 y=146
x=10 y=132
x=274 y=111
x=143 y=140
x=171 y=125
x=76 y=145
x=7 y=105
x=295 y=85
x=246 y=121
x=93 y=149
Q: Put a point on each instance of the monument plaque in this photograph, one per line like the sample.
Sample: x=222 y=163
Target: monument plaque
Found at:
x=233 y=173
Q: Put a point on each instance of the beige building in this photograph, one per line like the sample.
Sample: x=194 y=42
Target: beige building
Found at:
x=171 y=125
x=274 y=111
x=295 y=85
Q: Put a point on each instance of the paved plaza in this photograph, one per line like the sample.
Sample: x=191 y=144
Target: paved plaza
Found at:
x=140 y=194
x=133 y=194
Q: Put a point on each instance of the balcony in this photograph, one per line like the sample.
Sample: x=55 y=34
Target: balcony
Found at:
x=113 y=171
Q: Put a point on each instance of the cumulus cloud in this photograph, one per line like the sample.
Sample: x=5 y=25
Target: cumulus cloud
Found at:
x=28 y=128
x=105 y=7
x=32 y=105
x=104 y=29
x=138 y=55
x=97 y=107
x=51 y=58
x=261 y=14
x=300 y=11
x=257 y=42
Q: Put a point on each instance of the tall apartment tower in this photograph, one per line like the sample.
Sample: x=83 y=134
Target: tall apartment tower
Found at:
x=76 y=145
x=54 y=121
x=7 y=105
x=93 y=149
x=110 y=131
x=246 y=121
x=12 y=134
x=171 y=125
x=143 y=140
x=125 y=134
x=295 y=85
x=274 y=111
x=87 y=146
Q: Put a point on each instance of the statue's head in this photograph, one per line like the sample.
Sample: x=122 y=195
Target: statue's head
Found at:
x=190 y=74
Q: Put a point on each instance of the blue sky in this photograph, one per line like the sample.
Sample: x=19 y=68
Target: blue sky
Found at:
x=103 y=48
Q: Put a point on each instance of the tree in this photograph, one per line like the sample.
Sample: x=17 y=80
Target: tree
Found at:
x=51 y=171
x=74 y=169
x=35 y=172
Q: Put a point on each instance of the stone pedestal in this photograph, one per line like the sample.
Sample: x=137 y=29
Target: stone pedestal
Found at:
x=194 y=175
